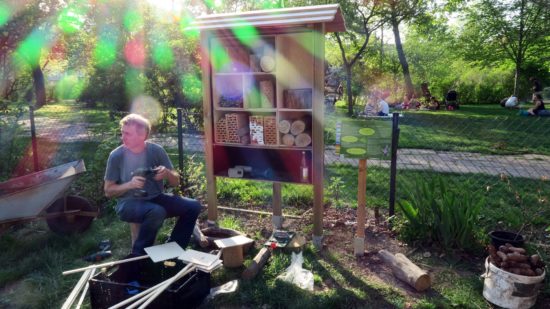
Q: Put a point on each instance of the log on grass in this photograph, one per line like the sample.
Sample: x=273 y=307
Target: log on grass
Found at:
x=257 y=263
x=297 y=126
x=406 y=270
x=284 y=126
x=302 y=139
x=288 y=140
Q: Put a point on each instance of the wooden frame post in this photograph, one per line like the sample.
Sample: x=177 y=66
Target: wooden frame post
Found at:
x=317 y=132
x=277 y=219
x=212 y=199
x=359 y=241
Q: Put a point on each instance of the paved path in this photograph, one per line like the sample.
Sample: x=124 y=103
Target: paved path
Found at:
x=528 y=165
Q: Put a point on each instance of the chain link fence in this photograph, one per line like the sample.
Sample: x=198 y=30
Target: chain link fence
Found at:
x=499 y=158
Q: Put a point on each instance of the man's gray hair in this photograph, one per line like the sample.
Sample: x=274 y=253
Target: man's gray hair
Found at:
x=137 y=120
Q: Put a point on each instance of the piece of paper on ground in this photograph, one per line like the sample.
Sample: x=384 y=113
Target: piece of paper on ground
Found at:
x=164 y=252
x=198 y=258
x=238 y=240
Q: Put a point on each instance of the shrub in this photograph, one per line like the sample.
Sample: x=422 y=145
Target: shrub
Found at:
x=436 y=214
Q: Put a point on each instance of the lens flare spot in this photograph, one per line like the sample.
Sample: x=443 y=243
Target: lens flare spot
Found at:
x=366 y=131
x=163 y=56
x=248 y=35
x=133 y=83
x=185 y=22
x=31 y=48
x=220 y=58
x=134 y=52
x=133 y=21
x=71 y=20
x=147 y=107
x=69 y=87
x=212 y=4
x=104 y=53
x=192 y=87
x=5 y=13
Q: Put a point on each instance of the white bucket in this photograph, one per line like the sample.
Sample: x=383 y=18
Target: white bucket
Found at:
x=509 y=290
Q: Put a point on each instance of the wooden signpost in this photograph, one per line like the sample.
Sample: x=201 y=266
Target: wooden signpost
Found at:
x=362 y=139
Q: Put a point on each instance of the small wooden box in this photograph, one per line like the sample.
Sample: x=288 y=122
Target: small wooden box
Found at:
x=220 y=133
x=256 y=124
x=235 y=121
x=270 y=130
x=267 y=94
x=297 y=98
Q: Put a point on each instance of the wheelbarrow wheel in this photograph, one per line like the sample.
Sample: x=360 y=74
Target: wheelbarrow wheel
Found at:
x=70 y=223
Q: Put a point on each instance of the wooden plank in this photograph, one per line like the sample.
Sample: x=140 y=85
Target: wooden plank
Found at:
x=208 y=127
x=317 y=132
x=361 y=198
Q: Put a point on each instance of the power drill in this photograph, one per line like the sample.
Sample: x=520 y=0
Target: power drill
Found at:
x=148 y=172
x=98 y=256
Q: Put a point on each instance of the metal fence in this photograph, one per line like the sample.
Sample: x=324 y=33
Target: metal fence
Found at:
x=478 y=153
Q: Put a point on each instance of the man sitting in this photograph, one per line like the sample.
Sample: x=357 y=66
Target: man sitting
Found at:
x=140 y=196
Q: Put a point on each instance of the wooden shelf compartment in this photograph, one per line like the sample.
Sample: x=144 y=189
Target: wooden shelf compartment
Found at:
x=260 y=91
x=280 y=165
x=228 y=91
x=295 y=129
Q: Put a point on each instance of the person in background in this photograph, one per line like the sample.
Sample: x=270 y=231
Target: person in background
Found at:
x=538 y=109
x=536 y=87
x=371 y=108
x=141 y=199
x=383 y=107
x=510 y=102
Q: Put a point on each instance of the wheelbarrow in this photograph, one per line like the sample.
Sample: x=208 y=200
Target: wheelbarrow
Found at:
x=42 y=195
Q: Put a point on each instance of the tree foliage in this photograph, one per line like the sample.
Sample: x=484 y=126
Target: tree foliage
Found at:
x=511 y=30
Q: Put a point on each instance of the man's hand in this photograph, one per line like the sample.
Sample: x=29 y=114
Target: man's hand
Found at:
x=161 y=172
x=137 y=182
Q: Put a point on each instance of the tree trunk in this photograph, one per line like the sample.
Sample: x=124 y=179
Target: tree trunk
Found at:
x=348 y=90
x=39 y=87
x=402 y=59
x=519 y=52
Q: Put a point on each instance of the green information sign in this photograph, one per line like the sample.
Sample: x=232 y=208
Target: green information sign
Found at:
x=364 y=138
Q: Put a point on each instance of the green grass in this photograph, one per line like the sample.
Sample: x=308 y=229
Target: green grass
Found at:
x=36 y=257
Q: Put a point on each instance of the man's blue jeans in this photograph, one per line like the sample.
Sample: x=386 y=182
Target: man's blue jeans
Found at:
x=151 y=214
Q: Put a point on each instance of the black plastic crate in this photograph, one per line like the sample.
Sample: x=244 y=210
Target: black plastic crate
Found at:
x=133 y=277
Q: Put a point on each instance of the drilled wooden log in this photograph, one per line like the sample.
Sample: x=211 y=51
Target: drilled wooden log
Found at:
x=284 y=126
x=297 y=127
x=288 y=140
x=302 y=140
x=406 y=270
x=257 y=263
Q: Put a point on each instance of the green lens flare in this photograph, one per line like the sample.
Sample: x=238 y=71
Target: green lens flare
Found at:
x=192 y=87
x=163 y=56
x=133 y=83
x=220 y=58
x=105 y=53
x=31 y=48
x=5 y=13
x=185 y=22
x=133 y=21
x=69 y=87
x=71 y=20
x=248 y=35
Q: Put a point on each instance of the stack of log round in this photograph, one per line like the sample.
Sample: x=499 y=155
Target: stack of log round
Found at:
x=295 y=133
